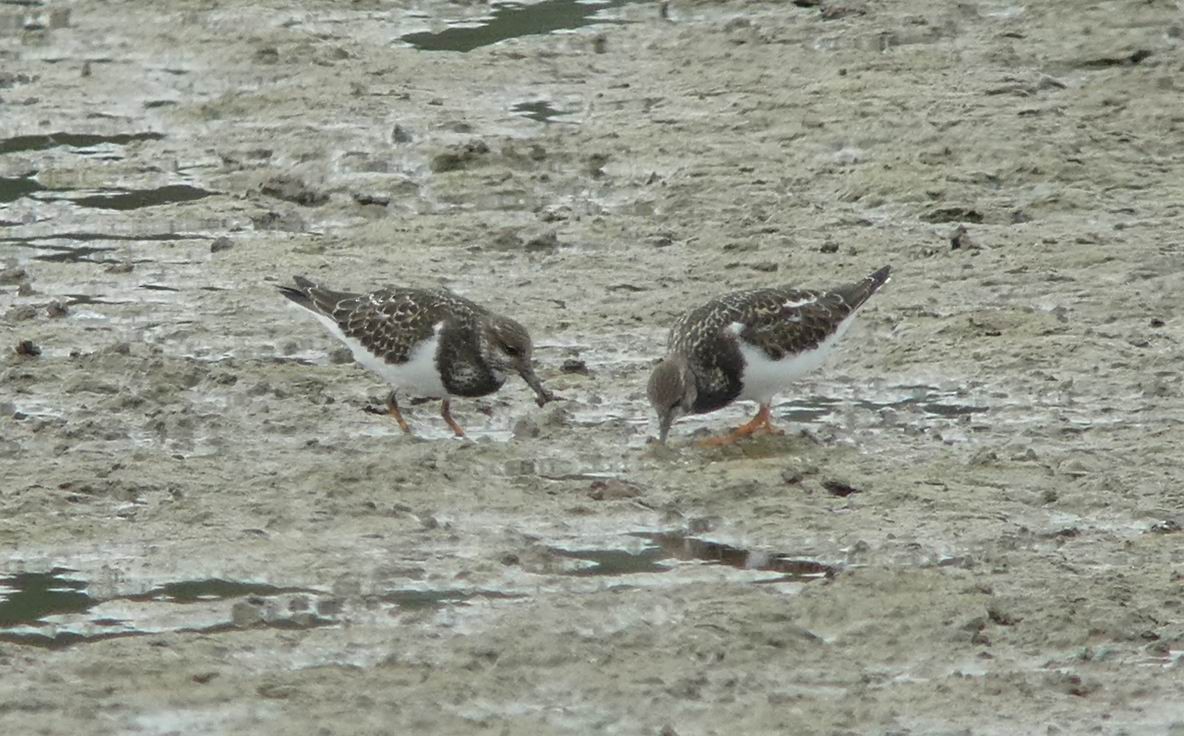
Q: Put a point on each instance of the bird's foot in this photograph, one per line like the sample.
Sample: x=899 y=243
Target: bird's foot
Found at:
x=392 y=408
x=759 y=423
x=447 y=414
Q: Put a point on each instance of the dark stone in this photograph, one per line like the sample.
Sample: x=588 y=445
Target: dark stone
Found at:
x=459 y=157
x=575 y=365
x=548 y=241
x=371 y=198
x=292 y=189
x=1167 y=526
x=960 y=239
x=1001 y=617
x=839 y=488
x=953 y=214
x=401 y=135
x=13 y=275
x=613 y=489
x=21 y=313
x=791 y=476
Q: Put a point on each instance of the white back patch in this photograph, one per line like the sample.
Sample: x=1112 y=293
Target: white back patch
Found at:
x=799 y=303
x=417 y=376
x=764 y=377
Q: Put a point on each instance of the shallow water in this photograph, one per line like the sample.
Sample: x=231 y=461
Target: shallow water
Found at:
x=539 y=111
x=57 y=609
x=513 y=20
x=951 y=516
x=26 y=143
x=663 y=550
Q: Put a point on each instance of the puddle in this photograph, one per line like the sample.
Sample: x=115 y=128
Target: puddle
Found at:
x=211 y=589
x=73 y=255
x=135 y=199
x=426 y=599
x=664 y=548
x=75 y=300
x=57 y=609
x=31 y=596
x=540 y=111
x=13 y=188
x=80 y=254
x=54 y=609
x=511 y=20
x=72 y=140
x=928 y=399
x=90 y=237
x=584 y=467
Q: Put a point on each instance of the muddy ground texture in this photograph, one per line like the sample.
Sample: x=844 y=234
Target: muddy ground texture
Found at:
x=972 y=524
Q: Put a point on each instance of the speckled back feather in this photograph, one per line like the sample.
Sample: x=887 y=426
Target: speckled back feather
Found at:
x=388 y=322
x=780 y=321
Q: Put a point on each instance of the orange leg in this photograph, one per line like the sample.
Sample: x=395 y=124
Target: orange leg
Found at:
x=760 y=422
x=392 y=408
x=447 y=414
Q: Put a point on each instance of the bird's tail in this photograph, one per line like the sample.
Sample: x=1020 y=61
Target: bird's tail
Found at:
x=859 y=292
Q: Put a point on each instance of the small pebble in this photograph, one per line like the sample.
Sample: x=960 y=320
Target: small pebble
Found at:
x=401 y=135
x=574 y=365
x=960 y=240
x=613 y=489
x=13 y=275
x=21 y=313
x=839 y=488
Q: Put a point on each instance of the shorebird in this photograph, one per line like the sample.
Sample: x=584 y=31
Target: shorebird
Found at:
x=748 y=345
x=427 y=342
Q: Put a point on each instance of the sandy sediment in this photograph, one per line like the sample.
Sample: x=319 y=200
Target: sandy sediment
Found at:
x=215 y=537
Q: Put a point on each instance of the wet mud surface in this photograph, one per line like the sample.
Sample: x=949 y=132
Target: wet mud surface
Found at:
x=971 y=525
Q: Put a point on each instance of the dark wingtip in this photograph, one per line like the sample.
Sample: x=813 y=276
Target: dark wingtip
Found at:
x=881 y=277
x=299 y=293
x=858 y=293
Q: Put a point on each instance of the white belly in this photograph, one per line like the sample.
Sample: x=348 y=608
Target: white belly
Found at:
x=763 y=377
x=417 y=376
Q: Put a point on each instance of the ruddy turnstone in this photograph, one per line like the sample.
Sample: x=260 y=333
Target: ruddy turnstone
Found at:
x=749 y=345
x=428 y=342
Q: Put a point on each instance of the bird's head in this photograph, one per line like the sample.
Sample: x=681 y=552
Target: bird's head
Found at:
x=508 y=348
x=672 y=391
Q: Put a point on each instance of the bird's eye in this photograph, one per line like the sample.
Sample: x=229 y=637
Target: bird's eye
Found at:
x=511 y=351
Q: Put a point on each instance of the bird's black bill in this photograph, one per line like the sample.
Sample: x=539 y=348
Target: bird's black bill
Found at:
x=541 y=393
x=664 y=422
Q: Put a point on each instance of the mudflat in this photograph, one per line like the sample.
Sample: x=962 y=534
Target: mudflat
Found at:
x=972 y=524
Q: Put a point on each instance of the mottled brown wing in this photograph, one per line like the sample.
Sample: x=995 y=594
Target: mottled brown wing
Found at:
x=790 y=321
x=389 y=323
